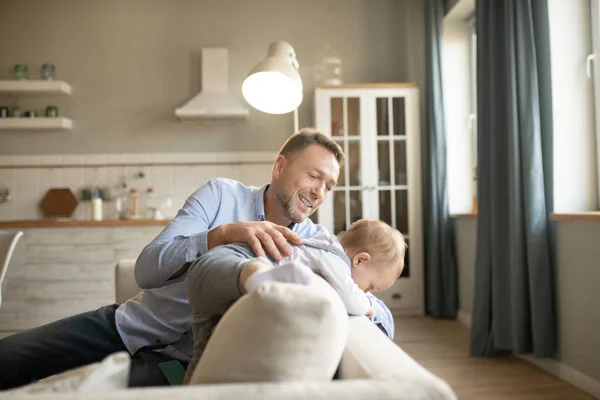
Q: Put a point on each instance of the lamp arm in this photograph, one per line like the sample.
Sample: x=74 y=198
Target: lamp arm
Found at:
x=296 y=128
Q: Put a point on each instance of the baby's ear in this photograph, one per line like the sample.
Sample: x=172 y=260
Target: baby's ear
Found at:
x=361 y=259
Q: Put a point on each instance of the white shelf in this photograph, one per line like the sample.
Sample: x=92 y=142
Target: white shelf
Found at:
x=36 y=124
x=35 y=87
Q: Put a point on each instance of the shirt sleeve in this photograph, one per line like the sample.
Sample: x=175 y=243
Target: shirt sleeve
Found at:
x=182 y=241
x=382 y=315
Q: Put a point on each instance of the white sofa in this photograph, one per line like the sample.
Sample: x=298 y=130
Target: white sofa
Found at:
x=372 y=367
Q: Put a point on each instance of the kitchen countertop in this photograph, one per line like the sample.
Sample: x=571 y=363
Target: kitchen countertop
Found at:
x=69 y=223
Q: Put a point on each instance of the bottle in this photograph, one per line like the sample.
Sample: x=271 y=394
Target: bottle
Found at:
x=151 y=206
x=122 y=200
x=134 y=204
x=96 y=205
x=328 y=67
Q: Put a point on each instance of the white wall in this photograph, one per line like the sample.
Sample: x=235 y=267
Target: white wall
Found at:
x=575 y=181
x=131 y=63
x=576 y=278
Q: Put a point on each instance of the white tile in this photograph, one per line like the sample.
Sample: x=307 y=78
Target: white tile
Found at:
x=27 y=209
x=261 y=156
x=71 y=159
x=27 y=178
x=115 y=175
x=93 y=159
x=25 y=160
x=8 y=177
x=227 y=171
x=112 y=159
x=55 y=160
x=161 y=158
x=50 y=177
x=201 y=174
x=254 y=175
x=83 y=211
x=131 y=174
x=6 y=211
x=139 y=158
x=162 y=179
x=94 y=176
x=7 y=160
x=72 y=178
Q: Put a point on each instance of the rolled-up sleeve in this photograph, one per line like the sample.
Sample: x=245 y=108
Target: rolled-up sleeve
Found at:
x=182 y=241
x=382 y=315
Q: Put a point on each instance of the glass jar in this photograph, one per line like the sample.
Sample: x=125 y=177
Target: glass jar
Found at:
x=21 y=72
x=328 y=67
x=47 y=72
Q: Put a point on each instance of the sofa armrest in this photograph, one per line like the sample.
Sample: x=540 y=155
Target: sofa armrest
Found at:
x=125 y=285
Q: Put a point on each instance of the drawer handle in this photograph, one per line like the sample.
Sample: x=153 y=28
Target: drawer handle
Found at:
x=396 y=296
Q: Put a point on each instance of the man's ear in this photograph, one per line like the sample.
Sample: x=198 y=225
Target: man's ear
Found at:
x=279 y=165
x=360 y=259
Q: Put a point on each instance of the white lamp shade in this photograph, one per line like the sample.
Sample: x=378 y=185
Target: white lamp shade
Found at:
x=274 y=85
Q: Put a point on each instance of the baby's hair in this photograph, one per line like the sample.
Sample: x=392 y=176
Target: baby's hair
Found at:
x=385 y=244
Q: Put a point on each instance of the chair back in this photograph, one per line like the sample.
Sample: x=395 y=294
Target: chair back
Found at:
x=8 y=242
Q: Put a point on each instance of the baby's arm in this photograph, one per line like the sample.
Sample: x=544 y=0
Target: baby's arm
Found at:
x=335 y=271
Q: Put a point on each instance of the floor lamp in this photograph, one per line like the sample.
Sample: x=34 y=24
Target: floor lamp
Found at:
x=274 y=85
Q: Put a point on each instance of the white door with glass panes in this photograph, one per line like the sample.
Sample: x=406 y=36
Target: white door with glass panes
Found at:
x=378 y=128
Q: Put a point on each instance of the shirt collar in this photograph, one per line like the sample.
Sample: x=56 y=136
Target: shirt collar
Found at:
x=259 y=202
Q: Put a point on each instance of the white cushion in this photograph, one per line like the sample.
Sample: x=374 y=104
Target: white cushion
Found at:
x=279 y=332
x=112 y=373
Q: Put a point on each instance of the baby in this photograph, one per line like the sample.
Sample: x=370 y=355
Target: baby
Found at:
x=369 y=256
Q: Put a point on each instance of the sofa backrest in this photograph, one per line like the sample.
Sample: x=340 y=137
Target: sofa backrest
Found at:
x=125 y=285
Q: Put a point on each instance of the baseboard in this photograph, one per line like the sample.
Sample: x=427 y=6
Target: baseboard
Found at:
x=566 y=373
x=556 y=368
x=464 y=318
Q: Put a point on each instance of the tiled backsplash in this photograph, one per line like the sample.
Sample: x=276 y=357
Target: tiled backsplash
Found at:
x=176 y=175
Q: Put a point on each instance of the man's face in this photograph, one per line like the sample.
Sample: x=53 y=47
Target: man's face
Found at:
x=304 y=181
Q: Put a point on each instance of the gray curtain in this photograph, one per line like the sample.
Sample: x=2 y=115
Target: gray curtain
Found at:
x=441 y=294
x=513 y=309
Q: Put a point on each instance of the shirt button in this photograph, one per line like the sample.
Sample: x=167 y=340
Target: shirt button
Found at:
x=198 y=255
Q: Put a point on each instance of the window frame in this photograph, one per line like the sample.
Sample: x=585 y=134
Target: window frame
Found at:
x=593 y=72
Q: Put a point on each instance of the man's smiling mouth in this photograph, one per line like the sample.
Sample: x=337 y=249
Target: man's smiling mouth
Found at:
x=305 y=201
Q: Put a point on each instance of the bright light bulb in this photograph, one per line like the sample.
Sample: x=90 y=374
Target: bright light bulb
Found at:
x=272 y=92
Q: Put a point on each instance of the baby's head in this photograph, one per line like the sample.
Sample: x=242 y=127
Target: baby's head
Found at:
x=376 y=251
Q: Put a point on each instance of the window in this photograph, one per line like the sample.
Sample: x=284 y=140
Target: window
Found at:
x=593 y=73
x=459 y=80
x=472 y=122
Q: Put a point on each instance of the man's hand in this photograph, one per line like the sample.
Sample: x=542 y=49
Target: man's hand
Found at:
x=260 y=236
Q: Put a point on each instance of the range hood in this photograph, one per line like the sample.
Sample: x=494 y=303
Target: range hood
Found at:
x=214 y=101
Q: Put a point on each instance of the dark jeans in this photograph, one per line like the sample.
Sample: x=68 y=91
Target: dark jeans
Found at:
x=70 y=343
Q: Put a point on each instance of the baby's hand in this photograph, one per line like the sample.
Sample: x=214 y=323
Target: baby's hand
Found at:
x=369 y=312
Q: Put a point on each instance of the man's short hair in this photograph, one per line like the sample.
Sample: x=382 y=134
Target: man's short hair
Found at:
x=309 y=136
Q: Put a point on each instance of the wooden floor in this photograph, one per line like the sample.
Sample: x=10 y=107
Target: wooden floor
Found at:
x=442 y=346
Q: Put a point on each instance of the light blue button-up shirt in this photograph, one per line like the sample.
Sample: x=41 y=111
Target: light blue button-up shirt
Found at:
x=160 y=315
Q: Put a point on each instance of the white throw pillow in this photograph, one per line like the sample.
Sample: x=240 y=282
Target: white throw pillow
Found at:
x=279 y=332
x=112 y=373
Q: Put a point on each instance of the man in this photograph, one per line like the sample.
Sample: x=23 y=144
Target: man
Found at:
x=155 y=326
